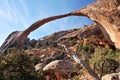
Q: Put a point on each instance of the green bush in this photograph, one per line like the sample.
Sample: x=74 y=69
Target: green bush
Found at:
x=85 y=51
x=106 y=66
x=17 y=65
x=102 y=60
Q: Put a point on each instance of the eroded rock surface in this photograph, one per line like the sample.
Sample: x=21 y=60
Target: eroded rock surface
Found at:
x=63 y=67
x=107 y=14
x=113 y=76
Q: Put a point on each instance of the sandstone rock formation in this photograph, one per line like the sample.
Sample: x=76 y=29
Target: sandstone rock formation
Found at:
x=61 y=68
x=113 y=76
x=39 y=66
x=105 y=13
x=17 y=38
x=90 y=30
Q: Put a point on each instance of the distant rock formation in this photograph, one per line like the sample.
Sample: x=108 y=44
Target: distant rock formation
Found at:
x=89 y=30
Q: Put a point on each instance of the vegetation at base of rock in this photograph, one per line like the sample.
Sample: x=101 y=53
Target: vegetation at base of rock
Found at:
x=19 y=66
x=101 y=59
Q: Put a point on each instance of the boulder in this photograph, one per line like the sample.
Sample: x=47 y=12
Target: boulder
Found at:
x=113 y=76
x=63 y=67
x=39 y=66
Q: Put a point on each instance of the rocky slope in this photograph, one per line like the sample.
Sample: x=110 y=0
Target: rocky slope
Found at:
x=47 y=46
x=86 y=31
x=49 y=49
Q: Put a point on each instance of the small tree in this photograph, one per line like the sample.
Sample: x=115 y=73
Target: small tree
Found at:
x=18 y=66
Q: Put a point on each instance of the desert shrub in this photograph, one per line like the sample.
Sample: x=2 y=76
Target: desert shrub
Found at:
x=85 y=51
x=117 y=55
x=75 y=78
x=17 y=65
x=72 y=42
x=106 y=66
x=104 y=60
x=25 y=47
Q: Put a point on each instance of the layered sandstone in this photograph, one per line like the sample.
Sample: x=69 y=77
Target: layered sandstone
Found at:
x=107 y=14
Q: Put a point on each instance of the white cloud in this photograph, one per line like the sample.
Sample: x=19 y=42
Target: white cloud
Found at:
x=11 y=13
x=26 y=10
x=13 y=16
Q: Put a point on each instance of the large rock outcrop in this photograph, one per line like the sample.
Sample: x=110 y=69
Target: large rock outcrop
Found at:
x=107 y=14
x=62 y=69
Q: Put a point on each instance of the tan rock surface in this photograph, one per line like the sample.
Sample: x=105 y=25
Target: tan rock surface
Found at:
x=113 y=76
x=61 y=68
x=107 y=14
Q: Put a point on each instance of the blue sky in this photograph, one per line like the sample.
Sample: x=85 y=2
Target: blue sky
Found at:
x=20 y=14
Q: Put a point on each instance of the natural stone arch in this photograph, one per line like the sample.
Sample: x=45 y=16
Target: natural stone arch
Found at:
x=17 y=38
x=106 y=13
